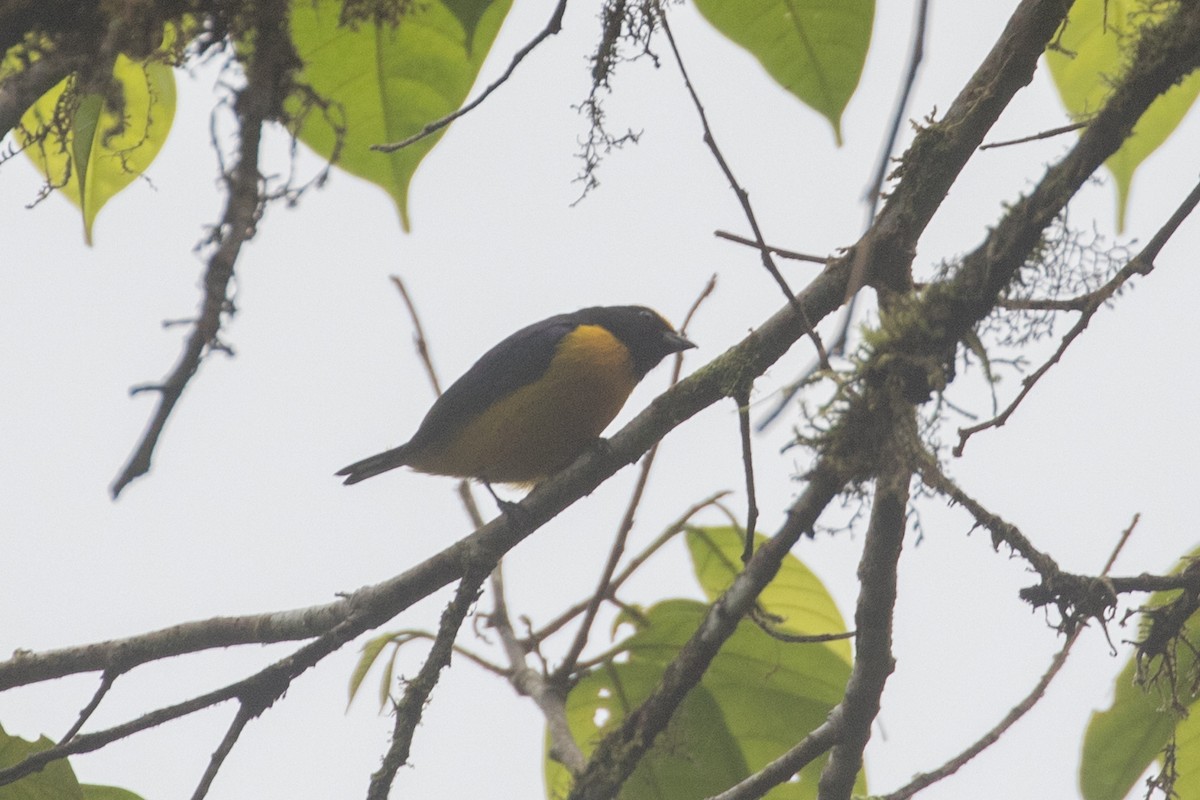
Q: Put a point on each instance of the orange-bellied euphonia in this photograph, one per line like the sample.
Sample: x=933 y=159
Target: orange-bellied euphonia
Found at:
x=534 y=402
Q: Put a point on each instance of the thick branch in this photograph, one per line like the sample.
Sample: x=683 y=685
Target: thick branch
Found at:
x=939 y=152
x=418 y=690
x=377 y=604
x=620 y=752
x=873 y=661
x=268 y=81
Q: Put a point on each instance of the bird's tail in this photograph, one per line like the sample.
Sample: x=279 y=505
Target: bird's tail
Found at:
x=370 y=467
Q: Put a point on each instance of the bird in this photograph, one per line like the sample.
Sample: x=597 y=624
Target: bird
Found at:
x=533 y=403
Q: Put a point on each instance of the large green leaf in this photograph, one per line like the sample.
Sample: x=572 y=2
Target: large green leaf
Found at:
x=1089 y=59
x=696 y=756
x=56 y=781
x=1187 y=757
x=796 y=596
x=1123 y=741
x=94 y=792
x=758 y=698
x=385 y=82
x=91 y=146
x=814 y=48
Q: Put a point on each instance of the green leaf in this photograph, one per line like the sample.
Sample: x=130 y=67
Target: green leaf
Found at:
x=813 y=48
x=696 y=757
x=1187 y=757
x=370 y=653
x=91 y=146
x=757 y=699
x=92 y=792
x=795 y=595
x=56 y=781
x=383 y=83
x=1101 y=34
x=1123 y=741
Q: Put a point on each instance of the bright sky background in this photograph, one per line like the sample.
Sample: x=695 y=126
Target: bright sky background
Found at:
x=241 y=513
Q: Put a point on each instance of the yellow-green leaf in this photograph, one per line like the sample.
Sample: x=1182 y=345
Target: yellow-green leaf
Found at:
x=1122 y=741
x=91 y=146
x=813 y=48
x=758 y=698
x=383 y=83
x=56 y=781
x=1089 y=60
x=796 y=596
x=95 y=792
x=370 y=654
x=1187 y=757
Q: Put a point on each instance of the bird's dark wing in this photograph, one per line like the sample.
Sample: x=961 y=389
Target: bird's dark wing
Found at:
x=517 y=361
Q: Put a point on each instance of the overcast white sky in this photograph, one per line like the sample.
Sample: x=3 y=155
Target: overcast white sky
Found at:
x=241 y=513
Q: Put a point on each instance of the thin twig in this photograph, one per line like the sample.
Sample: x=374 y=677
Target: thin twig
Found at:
x=1141 y=264
x=670 y=532
x=782 y=769
x=244 y=714
x=779 y=251
x=1074 y=126
x=916 y=55
x=742 y=195
x=874 y=191
x=872 y=196
x=742 y=398
x=552 y=28
x=766 y=622
x=418 y=690
x=106 y=682
x=1019 y=710
x=419 y=339
x=267 y=84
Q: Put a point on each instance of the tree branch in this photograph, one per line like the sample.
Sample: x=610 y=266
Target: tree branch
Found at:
x=1089 y=304
x=268 y=81
x=615 y=758
x=873 y=660
x=418 y=690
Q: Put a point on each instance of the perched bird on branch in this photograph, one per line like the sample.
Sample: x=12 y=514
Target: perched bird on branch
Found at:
x=534 y=402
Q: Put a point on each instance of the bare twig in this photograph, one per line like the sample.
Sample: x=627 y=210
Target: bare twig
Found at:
x=1074 y=126
x=779 y=251
x=742 y=195
x=418 y=690
x=670 y=532
x=916 y=55
x=1141 y=264
x=781 y=770
x=106 y=682
x=268 y=78
x=419 y=340
x=872 y=195
x=1019 y=710
x=244 y=714
x=552 y=28
x=742 y=398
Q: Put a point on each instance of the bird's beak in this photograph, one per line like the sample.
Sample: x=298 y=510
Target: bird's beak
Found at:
x=676 y=343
